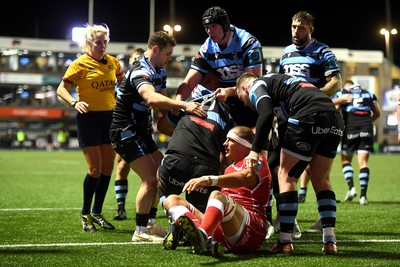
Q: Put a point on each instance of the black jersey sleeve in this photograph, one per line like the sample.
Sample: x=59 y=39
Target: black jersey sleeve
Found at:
x=264 y=123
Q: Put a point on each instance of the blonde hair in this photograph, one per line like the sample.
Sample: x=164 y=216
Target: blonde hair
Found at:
x=90 y=35
x=243 y=78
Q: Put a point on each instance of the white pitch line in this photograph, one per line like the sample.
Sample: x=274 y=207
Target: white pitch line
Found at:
x=159 y=242
x=75 y=244
x=38 y=209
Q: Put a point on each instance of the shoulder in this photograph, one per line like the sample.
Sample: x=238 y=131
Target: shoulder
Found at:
x=316 y=43
x=81 y=59
x=206 y=46
x=322 y=48
x=289 y=49
x=112 y=59
x=245 y=37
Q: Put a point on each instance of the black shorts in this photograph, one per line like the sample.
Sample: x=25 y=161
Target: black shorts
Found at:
x=131 y=145
x=93 y=128
x=177 y=169
x=318 y=133
x=361 y=139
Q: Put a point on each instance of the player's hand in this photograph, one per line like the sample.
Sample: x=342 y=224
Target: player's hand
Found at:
x=194 y=184
x=252 y=160
x=346 y=99
x=195 y=108
x=220 y=94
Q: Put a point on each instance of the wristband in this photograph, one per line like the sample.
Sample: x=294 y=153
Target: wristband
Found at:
x=212 y=180
x=253 y=155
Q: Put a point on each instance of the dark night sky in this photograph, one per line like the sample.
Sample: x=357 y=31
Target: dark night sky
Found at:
x=352 y=24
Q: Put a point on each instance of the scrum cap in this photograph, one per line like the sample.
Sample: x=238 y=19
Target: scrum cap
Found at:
x=216 y=15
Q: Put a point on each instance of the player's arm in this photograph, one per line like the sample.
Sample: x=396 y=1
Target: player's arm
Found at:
x=231 y=180
x=342 y=100
x=167 y=123
x=154 y=99
x=376 y=111
x=165 y=127
x=333 y=85
x=193 y=77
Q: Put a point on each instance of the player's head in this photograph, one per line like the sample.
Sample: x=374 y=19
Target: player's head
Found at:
x=348 y=84
x=135 y=54
x=305 y=17
x=216 y=15
x=302 y=29
x=238 y=143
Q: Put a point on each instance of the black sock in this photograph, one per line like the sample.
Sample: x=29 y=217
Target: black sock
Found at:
x=101 y=191
x=89 y=187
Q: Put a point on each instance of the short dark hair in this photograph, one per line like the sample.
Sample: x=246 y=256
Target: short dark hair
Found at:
x=304 y=16
x=161 y=39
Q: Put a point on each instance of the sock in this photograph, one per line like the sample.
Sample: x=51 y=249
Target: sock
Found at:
x=89 y=187
x=364 y=180
x=213 y=216
x=177 y=211
x=288 y=207
x=101 y=190
x=348 y=173
x=268 y=209
x=141 y=223
x=326 y=201
x=121 y=190
x=328 y=235
x=152 y=216
x=303 y=191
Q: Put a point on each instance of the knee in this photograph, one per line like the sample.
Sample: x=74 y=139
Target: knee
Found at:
x=171 y=201
x=94 y=172
x=218 y=195
x=151 y=184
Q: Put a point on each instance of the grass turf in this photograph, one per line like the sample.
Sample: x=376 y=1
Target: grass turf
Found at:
x=41 y=196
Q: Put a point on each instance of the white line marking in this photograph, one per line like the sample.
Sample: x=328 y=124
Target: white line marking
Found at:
x=160 y=242
x=38 y=209
x=155 y=242
x=76 y=244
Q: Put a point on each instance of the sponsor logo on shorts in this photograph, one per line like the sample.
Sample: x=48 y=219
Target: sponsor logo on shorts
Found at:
x=357 y=135
x=303 y=146
x=332 y=130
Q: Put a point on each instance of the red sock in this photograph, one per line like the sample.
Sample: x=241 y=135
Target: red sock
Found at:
x=211 y=219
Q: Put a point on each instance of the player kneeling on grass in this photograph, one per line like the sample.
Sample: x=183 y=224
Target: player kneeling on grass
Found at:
x=235 y=216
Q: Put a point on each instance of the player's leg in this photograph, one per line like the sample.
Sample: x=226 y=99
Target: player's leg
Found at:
x=363 y=157
x=348 y=173
x=121 y=187
x=326 y=200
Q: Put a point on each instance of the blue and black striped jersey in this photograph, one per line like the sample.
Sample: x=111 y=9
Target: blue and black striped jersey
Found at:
x=130 y=107
x=359 y=111
x=243 y=52
x=314 y=62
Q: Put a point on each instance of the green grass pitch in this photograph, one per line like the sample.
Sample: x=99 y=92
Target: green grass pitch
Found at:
x=41 y=197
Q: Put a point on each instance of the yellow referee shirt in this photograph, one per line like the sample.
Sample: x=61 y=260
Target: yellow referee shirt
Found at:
x=95 y=80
